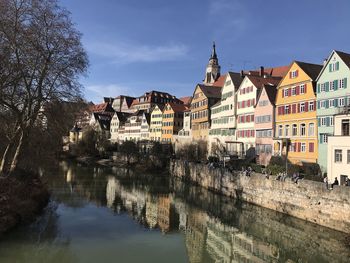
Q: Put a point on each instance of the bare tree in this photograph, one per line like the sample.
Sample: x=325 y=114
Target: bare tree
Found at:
x=41 y=60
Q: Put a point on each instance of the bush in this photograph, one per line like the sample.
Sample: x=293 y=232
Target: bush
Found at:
x=276 y=169
x=256 y=168
x=193 y=152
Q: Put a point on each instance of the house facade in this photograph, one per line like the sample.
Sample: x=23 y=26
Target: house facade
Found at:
x=333 y=94
x=265 y=123
x=246 y=98
x=156 y=123
x=117 y=122
x=296 y=122
x=172 y=121
x=204 y=97
x=339 y=150
x=123 y=104
x=131 y=131
x=222 y=133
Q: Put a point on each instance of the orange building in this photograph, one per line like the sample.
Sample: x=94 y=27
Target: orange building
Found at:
x=172 y=121
x=296 y=122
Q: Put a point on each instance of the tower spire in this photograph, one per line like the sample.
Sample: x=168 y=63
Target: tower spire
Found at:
x=213 y=53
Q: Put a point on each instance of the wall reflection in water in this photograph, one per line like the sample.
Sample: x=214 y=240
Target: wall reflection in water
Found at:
x=215 y=228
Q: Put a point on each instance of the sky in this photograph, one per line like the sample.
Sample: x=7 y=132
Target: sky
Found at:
x=136 y=46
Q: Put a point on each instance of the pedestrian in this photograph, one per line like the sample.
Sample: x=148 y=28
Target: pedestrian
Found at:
x=325 y=180
x=336 y=182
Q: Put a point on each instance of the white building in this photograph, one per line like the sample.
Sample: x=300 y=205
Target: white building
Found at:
x=184 y=136
x=339 y=150
x=246 y=98
x=222 y=132
x=131 y=130
x=118 y=122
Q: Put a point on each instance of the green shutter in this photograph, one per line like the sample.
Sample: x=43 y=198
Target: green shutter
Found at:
x=345 y=82
x=318 y=105
x=335 y=102
x=337 y=66
x=319 y=122
x=327 y=121
x=318 y=88
x=327 y=104
x=335 y=84
x=330 y=68
x=327 y=86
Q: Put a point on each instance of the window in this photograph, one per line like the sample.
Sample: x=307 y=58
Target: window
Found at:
x=324 y=138
x=293 y=91
x=331 y=121
x=295 y=130
x=294 y=74
x=303 y=147
x=311 y=129
x=341 y=102
x=311 y=147
x=323 y=87
x=338 y=156
x=331 y=103
x=348 y=156
x=302 y=107
x=286 y=109
x=285 y=92
x=333 y=67
x=311 y=106
x=286 y=130
x=331 y=86
x=322 y=104
x=280 y=131
x=302 y=89
x=302 y=129
x=322 y=121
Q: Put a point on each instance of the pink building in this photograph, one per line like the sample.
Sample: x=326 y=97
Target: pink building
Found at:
x=264 y=123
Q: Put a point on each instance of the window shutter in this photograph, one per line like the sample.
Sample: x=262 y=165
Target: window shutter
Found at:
x=327 y=104
x=330 y=68
x=345 y=80
x=311 y=147
x=305 y=88
x=296 y=73
x=337 y=65
x=335 y=103
x=335 y=84
x=290 y=75
x=299 y=146
x=289 y=92
x=306 y=106
x=327 y=121
x=294 y=108
x=319 y=122
x=297 y=90
x=318 y=88
x=318 y=105
x=298 y=106
x=327 y=86
x=248 y=103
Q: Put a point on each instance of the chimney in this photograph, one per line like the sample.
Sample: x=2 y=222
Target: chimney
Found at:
x=242 y=74
x=261 y=71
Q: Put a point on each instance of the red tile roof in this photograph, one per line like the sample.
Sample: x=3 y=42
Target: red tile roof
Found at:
x=178 y=107
x=220 y=81
x=99 y=107
x=186 y=100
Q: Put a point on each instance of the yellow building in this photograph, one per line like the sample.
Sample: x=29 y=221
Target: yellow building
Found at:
x=296 y=122
x=204 y=97
x=156 y=123
x=172 y=121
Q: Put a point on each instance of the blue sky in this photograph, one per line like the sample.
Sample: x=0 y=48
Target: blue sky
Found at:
x=139 y=45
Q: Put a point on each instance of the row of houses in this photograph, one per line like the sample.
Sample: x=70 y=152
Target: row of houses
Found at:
x=297 y=110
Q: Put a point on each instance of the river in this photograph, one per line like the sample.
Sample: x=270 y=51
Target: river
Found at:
x=117 y=215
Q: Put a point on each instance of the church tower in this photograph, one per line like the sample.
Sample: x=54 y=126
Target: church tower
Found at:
x=213 y=68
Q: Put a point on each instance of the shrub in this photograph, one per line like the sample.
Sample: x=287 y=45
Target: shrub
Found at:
x=275 y=169
x=256 y=168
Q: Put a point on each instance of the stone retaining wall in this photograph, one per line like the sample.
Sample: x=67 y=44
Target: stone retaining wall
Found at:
x=307 y=200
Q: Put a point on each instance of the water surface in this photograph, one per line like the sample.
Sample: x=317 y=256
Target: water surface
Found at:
x=114 y=215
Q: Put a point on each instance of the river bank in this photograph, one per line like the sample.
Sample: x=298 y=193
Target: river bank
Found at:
x=307 y=200
x=21 y=200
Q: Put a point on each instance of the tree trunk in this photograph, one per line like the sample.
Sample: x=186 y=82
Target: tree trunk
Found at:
x=19 y=151
x=6 y=157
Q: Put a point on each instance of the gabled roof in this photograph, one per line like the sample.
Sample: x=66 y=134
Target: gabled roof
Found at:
x=280 y=71
x=102 y=107
x=345 y=57
x=220 y=81
x=210 y=91
x=186 y=100
x=312 y=70
x=104 y=120
x=236 y=78
x=147 y=117
x=271 y=91
x=258 y=81
x=178 y=107
x=122 y=116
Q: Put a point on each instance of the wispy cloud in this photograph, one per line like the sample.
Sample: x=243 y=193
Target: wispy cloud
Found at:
x=123 y=52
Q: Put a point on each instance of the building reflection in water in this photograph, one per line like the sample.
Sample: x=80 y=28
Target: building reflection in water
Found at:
x=214 y=230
